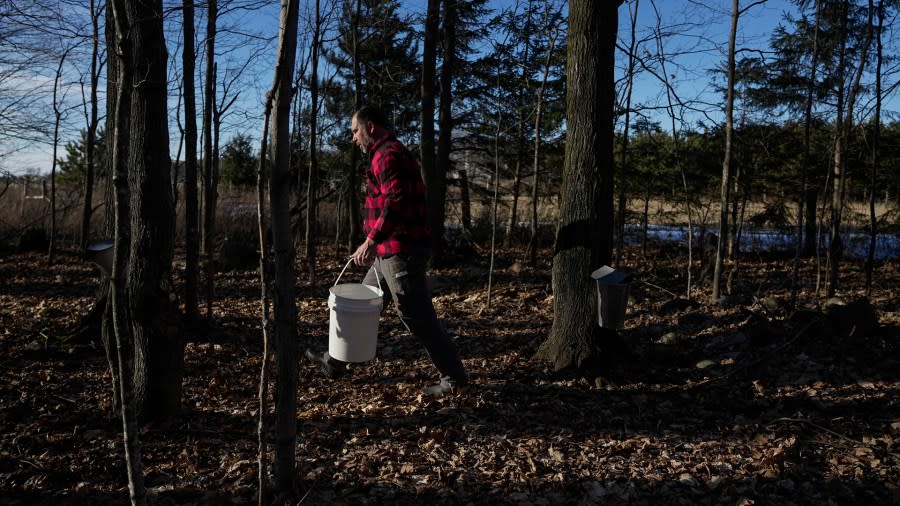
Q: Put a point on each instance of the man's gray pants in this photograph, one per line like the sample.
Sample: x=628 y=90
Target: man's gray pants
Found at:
x=403 y=279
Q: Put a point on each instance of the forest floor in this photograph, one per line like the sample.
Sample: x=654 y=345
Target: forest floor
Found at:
x=741 y=402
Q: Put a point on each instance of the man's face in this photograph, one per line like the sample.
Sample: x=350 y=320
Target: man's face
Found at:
x=362 y=134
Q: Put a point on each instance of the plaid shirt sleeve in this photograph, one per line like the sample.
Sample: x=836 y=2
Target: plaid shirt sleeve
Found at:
x=395 y=201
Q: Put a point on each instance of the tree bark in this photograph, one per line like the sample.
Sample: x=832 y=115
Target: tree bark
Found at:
x=876 y=154
x=312 y=187
x=91 y=138
x=209 y=188
x=119 y=156
x=437 y=189
x=159 y=347
x=584 y=235
x=355 y=232
x=843 y=127
x=285 y=316
x=623 y=169
x=191 y=208
x=726 y=160
x=429 y=69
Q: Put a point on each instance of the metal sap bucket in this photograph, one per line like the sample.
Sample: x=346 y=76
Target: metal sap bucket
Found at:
x=102 y=254
x=612 y=296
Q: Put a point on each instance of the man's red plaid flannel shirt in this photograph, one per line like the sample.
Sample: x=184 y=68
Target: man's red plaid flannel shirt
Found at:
x=395 y=200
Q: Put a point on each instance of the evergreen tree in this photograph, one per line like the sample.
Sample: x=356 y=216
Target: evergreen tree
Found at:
x=239 y=162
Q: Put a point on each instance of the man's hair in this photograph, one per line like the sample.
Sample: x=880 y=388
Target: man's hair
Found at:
x=371 y=113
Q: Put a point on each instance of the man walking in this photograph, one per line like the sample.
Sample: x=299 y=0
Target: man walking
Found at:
x=397 y=243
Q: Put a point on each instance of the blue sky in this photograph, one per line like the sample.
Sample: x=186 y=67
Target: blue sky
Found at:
x=696 y=38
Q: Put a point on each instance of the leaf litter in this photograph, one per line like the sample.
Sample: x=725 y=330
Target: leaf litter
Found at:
x=742 y=402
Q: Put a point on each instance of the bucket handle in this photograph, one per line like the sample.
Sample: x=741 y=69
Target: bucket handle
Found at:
x=377 y=279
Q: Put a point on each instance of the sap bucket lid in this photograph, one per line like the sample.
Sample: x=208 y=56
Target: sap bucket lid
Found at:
x=607 y=275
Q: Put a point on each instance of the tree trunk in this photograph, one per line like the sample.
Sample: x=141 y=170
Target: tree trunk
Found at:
x=726 y=161
x=465 y=203
x=119 y=156
x=437 y=189
x=844 y=128
x=57 y=117
x=876 y=155
x=191 y=209
x=285 y=317
x=91 y=138
x=426 y=121
x=623 y=170
x=265 y=303
x=209 y=189
x=159 y=347
x=355 y=231
x=584 y=236
x=312 y=187
x=536 y=165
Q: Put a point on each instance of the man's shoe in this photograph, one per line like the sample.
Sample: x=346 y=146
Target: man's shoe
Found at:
x=331 y=368
x=446 y=386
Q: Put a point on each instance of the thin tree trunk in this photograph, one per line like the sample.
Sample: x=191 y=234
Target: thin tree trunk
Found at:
x=191 y=208
x=120 y=317
x=536 y=161
x=355 y=229
x=836 y=248
x=429 y=63
x=209 y=193
x=285 y=317
x=265 y=303
x=623 y=169
x=806 y=205
x=437 y=190
x=57 y=116
x=876 y=154
x=312 y=188
x=91 y=138
x=726 y=162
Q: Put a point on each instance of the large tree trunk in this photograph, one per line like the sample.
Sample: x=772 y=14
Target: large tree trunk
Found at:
x=437 y=188
x=584 y=236
x=285 y=317
x=191 y=210
x=159 y=347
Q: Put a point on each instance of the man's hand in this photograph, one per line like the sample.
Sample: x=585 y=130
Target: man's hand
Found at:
x=365 y=253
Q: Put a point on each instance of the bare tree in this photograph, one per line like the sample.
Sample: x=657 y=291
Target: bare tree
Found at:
x=843 y=129
x=210 y=181
x=92 y=120
x=437 y=187
x=876 y=145
x=191 y=199
x=312 y=187
x=429 y=69
x=285 y=317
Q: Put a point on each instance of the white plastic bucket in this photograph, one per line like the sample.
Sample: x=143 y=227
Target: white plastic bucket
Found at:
x=354 y=310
